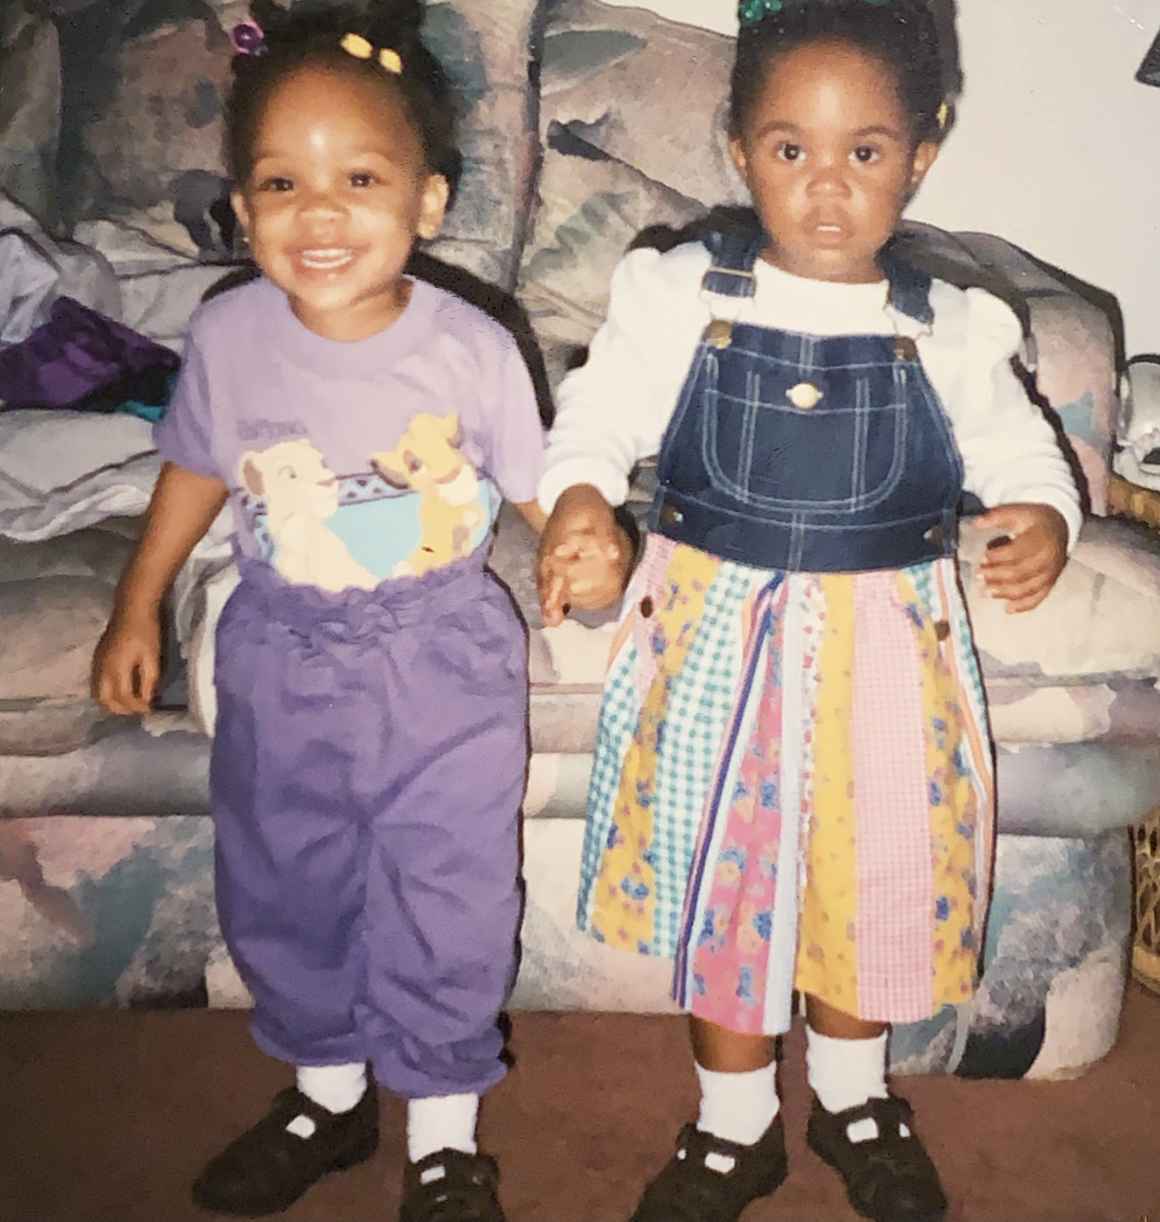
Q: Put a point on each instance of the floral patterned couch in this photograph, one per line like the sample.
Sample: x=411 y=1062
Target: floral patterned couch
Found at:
x=111 y=137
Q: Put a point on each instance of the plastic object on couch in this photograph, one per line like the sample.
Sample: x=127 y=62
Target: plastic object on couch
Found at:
x=1138 y=460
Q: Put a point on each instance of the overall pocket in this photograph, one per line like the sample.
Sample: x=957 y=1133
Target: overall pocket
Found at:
x=779 y=439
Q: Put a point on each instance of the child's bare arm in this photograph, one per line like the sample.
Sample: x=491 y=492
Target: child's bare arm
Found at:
x=1023 y=569
x=127 y=659
x=531 y=513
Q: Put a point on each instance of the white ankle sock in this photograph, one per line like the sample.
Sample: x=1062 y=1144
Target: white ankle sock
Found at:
x=738 y=1106
x=441 y=1122
x=845 y=1074
x=335 y=1087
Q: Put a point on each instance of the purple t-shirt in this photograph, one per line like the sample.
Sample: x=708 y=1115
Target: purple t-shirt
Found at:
x=348 y=463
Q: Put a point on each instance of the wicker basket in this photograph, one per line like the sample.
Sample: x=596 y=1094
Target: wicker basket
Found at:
x=1131 y=501
x=1143 y=505
x=1146 y=952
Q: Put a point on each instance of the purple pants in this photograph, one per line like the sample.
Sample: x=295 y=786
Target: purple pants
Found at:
x=367 y=772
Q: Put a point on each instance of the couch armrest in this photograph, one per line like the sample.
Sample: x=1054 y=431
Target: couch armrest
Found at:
x=1075 y=379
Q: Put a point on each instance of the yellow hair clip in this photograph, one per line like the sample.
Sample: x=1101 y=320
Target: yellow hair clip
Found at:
x=944 y=114
x=361 y=48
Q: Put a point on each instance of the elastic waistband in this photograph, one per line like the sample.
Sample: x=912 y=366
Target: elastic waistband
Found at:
x=394 y=603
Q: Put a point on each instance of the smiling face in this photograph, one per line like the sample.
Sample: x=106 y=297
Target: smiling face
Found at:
x=829 y=156
x=337 y=193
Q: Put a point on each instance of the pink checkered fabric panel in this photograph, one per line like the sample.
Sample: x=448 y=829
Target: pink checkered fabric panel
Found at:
x=891 y=813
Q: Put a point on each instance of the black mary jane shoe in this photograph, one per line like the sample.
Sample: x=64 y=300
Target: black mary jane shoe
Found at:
x=268 y=1168
x=889 y=1178
x=689 y=1190
x=451 y=1186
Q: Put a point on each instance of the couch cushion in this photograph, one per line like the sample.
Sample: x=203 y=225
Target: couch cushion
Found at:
x=55 y=598
x=1100 y=624
x=1075 y=789
x=50 y=626
x=1117 y=711
x=150 y=144
x=1075 y=376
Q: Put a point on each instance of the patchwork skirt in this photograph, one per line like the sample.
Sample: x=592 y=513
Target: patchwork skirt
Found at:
x=793 y=789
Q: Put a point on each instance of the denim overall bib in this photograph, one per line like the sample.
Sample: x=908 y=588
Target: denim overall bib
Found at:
x=805 y=453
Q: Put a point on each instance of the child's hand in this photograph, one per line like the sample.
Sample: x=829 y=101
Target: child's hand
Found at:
x=1023 y=569
x=584 y=557
x=127 y=664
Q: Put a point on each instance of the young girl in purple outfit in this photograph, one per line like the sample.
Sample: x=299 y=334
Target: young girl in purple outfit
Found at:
x=370 y=747
x=792 y=785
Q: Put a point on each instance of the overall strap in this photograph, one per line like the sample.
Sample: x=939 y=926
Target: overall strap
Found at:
x=733 y=253
x=909 y=287
x=912 y=248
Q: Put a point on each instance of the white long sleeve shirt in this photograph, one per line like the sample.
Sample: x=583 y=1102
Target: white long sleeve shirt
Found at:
x=613 y=411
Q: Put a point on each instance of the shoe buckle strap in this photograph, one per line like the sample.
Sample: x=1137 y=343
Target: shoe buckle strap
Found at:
x=890 y=1114
x=696 y=1145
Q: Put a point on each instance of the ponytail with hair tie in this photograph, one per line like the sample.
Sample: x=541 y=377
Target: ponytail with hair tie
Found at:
x=382 y=35
x=903 y=33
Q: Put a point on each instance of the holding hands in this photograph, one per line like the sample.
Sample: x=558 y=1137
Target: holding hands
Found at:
x=585 y=556
x=1022 y=568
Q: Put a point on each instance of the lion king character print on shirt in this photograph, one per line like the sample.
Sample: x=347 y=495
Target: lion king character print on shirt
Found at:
x=419 y=505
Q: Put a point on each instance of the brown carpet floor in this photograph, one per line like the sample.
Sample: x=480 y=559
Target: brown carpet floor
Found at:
x=108 y=1115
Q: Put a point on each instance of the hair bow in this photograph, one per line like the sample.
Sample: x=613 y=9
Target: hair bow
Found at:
x=361 y=48
x=248 y=38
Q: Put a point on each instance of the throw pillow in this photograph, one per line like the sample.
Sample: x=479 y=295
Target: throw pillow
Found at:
x=30 y=103
x=617 y=77
x=590 y=209
x=54 y=603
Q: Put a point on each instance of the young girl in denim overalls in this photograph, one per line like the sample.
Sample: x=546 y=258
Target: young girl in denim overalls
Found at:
x=792 y=786
x=371 y=738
